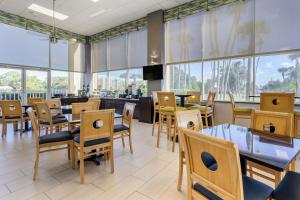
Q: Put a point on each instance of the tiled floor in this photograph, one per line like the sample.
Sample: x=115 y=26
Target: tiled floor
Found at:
x=150 y=173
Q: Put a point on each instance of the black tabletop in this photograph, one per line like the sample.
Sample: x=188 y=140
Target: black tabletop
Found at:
x=183 y=95
x=270 y=150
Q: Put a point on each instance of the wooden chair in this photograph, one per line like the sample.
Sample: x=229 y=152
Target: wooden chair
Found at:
x=12 y=113
x=239 y=112
x=167 y=108
x=272 y=122
x=223 y=179
x=207 y=111
x=189 y=119
x=277 y=102
x=296 y=121
x=155 y=109
x=46 y=120
x=55 y=106
x=77 y=109
x=47 y=143
x=97 y=102
x=96 y=133
x=31 y=101
x=125 y=128
x=194 y=99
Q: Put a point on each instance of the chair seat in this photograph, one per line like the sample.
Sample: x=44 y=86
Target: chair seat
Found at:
x=15 y=116
x=253 y=190
x=171 y=109
x=59 y=116
x=56 y=137
x=120 y=127
x=243 y=110
x=288 y=187
x=75 y=130
x=297 y=113
x=92 y=142
x=201 y=108
x=55 y=120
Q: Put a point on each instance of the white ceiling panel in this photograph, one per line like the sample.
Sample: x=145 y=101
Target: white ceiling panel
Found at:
x=80 y=11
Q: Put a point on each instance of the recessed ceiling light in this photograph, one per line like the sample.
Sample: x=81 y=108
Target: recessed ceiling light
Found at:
x=100 y=12
x=46 y=11
x=95 y=1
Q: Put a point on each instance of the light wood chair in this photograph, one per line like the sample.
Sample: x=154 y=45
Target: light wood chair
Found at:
x=125 y=128
x=97 y=102
x=207 y=111
x=46 y=120
x=167 y=108
x=49 y=143
x=296 y=121
x=194 y=99
x=31 y=101
x=77 y=109
x=155 y=110
x=189 y=119
x=12 y=113
x=239 y=112
x=55 y=106
x=277 y=102
x=96 y=133
x=222 y=180
x=272 y=122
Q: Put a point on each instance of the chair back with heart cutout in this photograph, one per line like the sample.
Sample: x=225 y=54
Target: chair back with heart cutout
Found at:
x=11 y=108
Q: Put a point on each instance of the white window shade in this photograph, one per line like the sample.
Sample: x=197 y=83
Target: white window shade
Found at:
x=118 y=52
x=76 y=57
x=59 y=55
x=99 y=56
x=228 y=30
x=183 y=39
x=23 y=47
x=277 y=25
x=137 y=48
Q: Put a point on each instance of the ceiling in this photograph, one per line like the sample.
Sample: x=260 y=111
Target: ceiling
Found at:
x=80 y=11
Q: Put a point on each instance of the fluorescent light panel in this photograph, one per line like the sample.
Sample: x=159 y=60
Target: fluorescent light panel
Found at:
x=46 y=11
x=100 y=12
x=95 y=1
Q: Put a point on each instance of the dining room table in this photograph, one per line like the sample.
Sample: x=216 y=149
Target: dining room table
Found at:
x=182 y=98
x=267 y=149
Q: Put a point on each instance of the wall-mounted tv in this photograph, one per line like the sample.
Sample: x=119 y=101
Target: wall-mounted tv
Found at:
x=153 y=72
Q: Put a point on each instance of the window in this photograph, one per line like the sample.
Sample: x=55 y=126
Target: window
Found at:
x=184 y=77
x=10 y=83
x=231 y=75
x=135 y=76
x=101 y=80
x=59 y=55
x=277 y=73
x=23 y=47
x=59 y=82
x=76 y=80
x=36 y=83
x=117 y=81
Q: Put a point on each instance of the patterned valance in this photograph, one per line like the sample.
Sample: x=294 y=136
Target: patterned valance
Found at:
x=32 y=25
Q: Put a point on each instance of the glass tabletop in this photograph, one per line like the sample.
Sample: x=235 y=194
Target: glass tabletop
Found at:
x=270 y=150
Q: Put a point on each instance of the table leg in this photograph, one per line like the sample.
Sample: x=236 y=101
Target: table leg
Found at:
x=243 y=165
x=182 y=101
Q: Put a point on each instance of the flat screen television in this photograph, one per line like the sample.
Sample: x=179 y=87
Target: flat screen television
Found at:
x=153 y=72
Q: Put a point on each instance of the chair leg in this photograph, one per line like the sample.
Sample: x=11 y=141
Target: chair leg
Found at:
x=15 y=126
x=71 y=153
x=233 y=118
x=75 y=157
x=36 y=165
x=277 y=178
x=206 y=121
x=159 y=130
x=180 y=173
x=168 y=127
x=21 y=127
x=4 y=129
x=174 y=138
x=130 y=142
x=81 y=166
x=111 y=157
x=123 y=142
x=47 y=130
x=212 y=121
x=154 y=123
x=51 y=129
